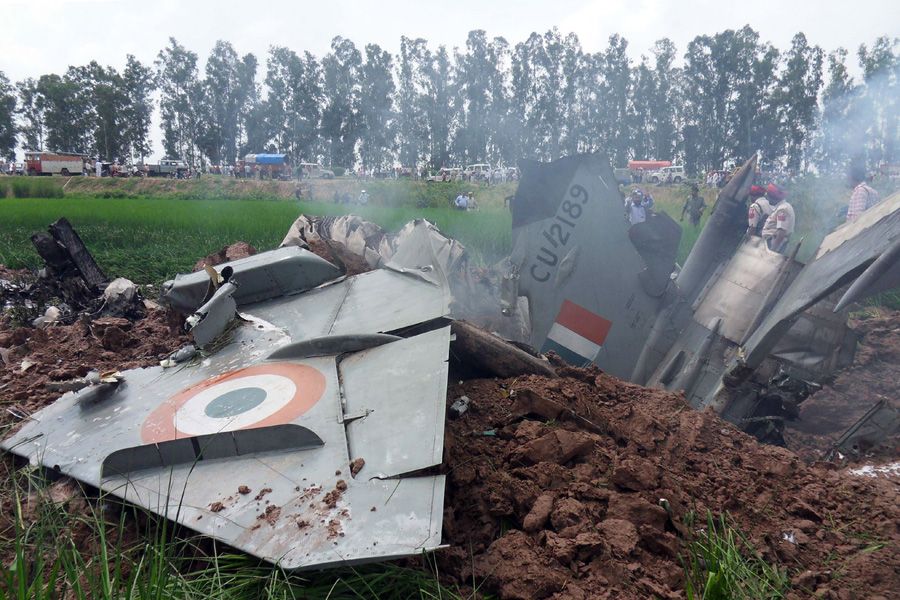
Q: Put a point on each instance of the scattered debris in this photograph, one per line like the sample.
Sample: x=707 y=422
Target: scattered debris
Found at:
x=459 y=407
x=356 y=465
x=243 y=489
x=216 y=507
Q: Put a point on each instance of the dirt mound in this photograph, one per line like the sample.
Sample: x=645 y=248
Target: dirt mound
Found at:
x=226 y=254
x=39 y=358
x=587 y=487
x=338 y=254
x=825 y=415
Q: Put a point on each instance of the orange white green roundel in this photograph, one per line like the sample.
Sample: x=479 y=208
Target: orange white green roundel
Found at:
x=258 y=396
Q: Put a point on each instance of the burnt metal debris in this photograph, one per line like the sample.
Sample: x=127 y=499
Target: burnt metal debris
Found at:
x=739 y=328
x=295 y=388
x=327 y=392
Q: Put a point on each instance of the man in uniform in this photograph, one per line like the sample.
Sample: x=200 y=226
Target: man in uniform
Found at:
x=780 y=224
x=694 y=206
x=863 y=197
x=759 y=210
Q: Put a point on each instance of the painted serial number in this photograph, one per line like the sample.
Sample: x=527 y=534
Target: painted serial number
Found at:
x=557 y=235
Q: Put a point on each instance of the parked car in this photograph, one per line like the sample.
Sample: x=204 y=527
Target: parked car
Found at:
x=446 y=174
x=477 y=171
x=673 y=174
x=316 y=171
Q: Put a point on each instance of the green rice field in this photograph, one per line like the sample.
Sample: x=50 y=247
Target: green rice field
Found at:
x=151 y=239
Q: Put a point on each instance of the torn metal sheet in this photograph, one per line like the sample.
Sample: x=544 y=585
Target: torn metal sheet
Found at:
x=259 y=277
x=253 y=445
x=188 y=443
x=211 y=319
x=593 y=296
x=831 y=270
x=379 y=301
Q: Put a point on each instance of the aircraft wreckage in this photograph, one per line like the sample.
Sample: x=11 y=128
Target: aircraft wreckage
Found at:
x=319 y=399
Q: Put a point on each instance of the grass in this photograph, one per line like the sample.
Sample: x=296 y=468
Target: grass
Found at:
x=31 y=187
x=111 y=551
x=151 y=239
x=721 y=564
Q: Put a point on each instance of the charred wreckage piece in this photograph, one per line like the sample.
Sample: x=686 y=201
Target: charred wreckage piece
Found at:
x=325 y=393
x=739 y=328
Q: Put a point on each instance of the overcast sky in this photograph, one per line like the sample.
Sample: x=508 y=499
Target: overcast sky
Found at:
x=46 y=36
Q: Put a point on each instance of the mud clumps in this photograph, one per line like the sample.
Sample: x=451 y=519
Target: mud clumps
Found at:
x=229 y=253
x=599 y=498
x=270 y=515
x=332 y=498
x=216 y=507
x=262 y=494
x=356 y=466
x=59 y=353
x=244 y=490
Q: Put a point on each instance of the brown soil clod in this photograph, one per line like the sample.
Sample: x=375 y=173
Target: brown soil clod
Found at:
x=356 y=466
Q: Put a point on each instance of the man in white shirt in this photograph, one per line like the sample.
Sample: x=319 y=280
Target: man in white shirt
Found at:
x=636 y=207
x=780 y=224
x=462 y=202
x=759 y=210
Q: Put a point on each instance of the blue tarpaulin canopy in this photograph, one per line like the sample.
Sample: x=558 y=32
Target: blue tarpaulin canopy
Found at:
x=271 y=159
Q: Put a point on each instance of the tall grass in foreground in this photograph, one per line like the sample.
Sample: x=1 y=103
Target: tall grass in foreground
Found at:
x=106 y=550
x=721 y=564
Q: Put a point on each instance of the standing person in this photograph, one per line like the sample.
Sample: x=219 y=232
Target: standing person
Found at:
x=363 y=198
x=863 y=197
x=636 y=207
x=780 y=224
x=759 y=210
x=694 y=206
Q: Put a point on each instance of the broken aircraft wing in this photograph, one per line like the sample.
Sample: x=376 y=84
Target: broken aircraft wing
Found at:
x=863 y=253
x=594 y=284
x=302 y=439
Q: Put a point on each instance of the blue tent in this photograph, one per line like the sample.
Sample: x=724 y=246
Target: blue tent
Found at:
x=271 y=159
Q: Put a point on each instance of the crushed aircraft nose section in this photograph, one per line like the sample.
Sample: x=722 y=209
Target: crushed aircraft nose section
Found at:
x=302 y=439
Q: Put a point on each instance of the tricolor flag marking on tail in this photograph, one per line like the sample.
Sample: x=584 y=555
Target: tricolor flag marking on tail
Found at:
x=577 y=334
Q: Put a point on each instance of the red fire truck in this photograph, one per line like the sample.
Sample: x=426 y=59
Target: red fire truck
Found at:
x=54 y=163
x=648 y=165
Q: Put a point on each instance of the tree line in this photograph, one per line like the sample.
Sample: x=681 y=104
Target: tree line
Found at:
x=489 y=101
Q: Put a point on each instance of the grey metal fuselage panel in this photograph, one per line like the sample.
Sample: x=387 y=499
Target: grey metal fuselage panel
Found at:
x=828 y=272
x=384 y=405
x=375 y=302
x=571 y=244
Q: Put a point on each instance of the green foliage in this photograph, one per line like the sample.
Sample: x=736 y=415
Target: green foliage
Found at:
x=36 y=187
x=339 y=171
x=4 y=188
x=721 y=564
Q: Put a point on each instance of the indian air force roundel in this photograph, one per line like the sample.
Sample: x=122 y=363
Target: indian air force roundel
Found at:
x=258 y=396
